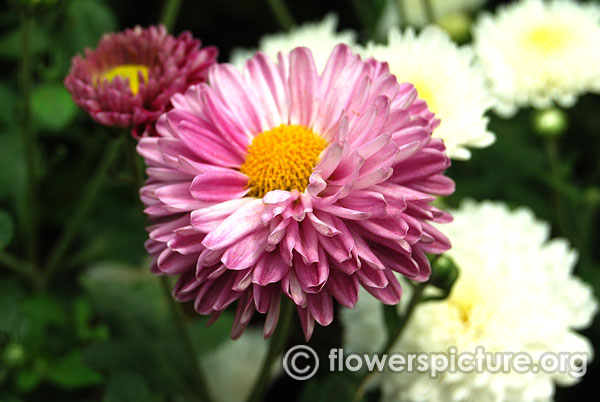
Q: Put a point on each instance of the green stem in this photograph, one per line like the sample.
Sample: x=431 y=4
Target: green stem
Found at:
x=178 y=319
x=559 y=203
x=16 y=264
x=401 y=13
x=429 y=11
x=86 y=202
x=169 y=13
x=31 y=211
x=586 y=227
x=275 y=348
x=393 y=337
x=283 y=15
x=412 y=304
x=136 y=166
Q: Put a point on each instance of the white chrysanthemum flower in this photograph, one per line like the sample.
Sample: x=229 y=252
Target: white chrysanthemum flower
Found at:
x=447 y=77
x=536 y=53
x=515 y=292
x=320 y=37
x=414 y=12
x=231 y=369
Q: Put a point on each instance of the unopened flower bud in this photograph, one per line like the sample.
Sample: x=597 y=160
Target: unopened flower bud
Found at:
x=550 y=122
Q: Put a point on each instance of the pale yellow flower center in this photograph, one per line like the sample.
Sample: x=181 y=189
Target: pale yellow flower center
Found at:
x=464 y=298
x=547 y=38
x=426 y=94
x=282 y=158
x=128 y=71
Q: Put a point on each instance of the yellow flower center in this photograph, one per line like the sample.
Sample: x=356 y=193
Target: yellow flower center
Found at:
x=547 y=38
x=282 y=158
x=426 y=94
x=128 y=71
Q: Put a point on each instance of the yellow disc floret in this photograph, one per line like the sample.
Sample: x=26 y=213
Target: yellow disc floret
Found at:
x=547 y=38
x=282 y=158
x=128 y=71
x=424 y=91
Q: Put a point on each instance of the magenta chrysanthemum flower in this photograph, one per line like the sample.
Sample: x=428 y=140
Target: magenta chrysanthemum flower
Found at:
x=281 y=181
x=128 y=79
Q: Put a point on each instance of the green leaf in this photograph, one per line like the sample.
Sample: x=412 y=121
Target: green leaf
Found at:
x=140 y=352
x=7 y=229
x=205 y=337
x=70 y=372
x=52 y=106
x=127 y=386
x=27 y=380
x=45 y=309
x=126 y=293
x=38 y=314
x=85 y=23
x=11 y=297
x=12 y=42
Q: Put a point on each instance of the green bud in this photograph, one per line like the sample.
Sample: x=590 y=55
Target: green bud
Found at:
x=14 y=355
x=550 y=122
x=444 y=274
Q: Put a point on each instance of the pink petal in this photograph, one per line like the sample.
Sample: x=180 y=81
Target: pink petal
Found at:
x=237 y=225
x=303 y=85
x=219 y=186
x=272 y=315
x=320 y=306
x=241 y=100
x=311 y=276
x=343 y=287
x=391 y=294
x=307 y=322
x=245 y=252
x=172 y=263
x=209 y=146
x=270 y=268
x=207 y=219
x=269 y=87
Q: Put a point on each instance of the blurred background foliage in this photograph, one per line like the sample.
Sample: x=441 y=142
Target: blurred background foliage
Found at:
x=101 y=328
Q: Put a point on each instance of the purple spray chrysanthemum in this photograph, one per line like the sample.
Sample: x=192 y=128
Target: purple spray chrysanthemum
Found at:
x=128 y=79
x=283 y=182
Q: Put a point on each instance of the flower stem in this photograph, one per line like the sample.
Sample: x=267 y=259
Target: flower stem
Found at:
x=178 y=319
x=412 y=304
x=429 y=11
x=393 y=337
x=401 y=13
x=31 y=212
x=169 y=13
x=82 y=209
x=136 y=167
x=16 y=264
x=586 y=226
x=283 y=15
x=275 y=348
x=559 y=204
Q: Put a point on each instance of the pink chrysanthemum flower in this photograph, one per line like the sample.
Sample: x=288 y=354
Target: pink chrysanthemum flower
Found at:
x=128 y=79
x=281 y=181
